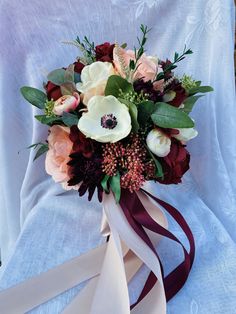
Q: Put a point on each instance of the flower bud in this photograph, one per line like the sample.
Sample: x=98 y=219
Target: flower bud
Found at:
x=186 y=134
x=66 y=103
x=158 y=143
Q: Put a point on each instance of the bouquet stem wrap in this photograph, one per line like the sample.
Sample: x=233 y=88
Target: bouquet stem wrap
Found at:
x=109 y=267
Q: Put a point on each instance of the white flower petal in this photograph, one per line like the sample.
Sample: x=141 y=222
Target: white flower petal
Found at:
x=186 y=134
x=158 y=143
x=98 y=107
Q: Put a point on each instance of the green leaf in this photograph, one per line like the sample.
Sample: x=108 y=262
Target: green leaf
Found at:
x=104 y=183
x=68 y=88
x=189 y=103
x=69 y=119
x=124 y=45
x=145 y=110
x=47 y=120
x=34 y=96
x=57 y=76
x=117 y=84
x=200 y=89
x=77 y=77
x=69 y=73
x=43 y=149
x=167 y=116
x=159 y=170
x=133 y=111
x=115 y=186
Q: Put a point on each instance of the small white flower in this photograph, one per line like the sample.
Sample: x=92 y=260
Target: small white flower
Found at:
x=186 y=134
x=107 y=120
x=158 y=143
x=94 y=79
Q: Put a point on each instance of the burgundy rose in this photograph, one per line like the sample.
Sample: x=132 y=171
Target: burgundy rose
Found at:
x=78 y=67
x=104 y=52
x=175 y=164
x=53 y=91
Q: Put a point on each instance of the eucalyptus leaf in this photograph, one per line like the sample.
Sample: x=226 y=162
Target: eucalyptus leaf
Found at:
x=189 y=103
x=69 y=119
x=115 y=186
x=145 y=110
x=105 y=182
x=69 y=73
x=34 y=96
x=57 y=76
x=116 y=84
x=200 y=89
x=167 y=116
x=68 y=88
x=47 y=120
x=77 y=77
x=43 y=149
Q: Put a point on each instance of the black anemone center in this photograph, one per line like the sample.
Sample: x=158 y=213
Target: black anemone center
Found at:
x=109 y=121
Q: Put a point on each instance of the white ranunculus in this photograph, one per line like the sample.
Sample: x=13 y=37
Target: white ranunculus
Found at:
x=158 y=143
x=94 y=79
x=186 y=134
x=107 y=120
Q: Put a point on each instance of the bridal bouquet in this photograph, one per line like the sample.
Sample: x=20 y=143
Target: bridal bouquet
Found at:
x=118 y=118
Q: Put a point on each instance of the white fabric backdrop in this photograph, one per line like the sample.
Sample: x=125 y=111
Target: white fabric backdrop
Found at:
x=40 y=225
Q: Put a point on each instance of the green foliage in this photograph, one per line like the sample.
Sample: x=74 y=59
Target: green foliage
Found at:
x=159 y=170
x=145 y=110
x=87 y=48
x=167 y=116
x=57 y=76
x=68 y=88
x=200 y=89
x=69 y=119
x=133 y=111
x=48 y=120
x=104 y=183
x=115 y=186
x=172 y=65
x=34 y=96
x=116 y=85
x=43 y=148
x=189 y=103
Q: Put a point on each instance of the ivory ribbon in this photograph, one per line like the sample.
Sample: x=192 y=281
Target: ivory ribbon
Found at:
x=108 y=268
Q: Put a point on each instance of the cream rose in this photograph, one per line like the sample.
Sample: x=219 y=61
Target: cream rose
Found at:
x=57 y=157
x=107 y=120
x=147 y=66
x=94 y=79
x=66 y=103
x=158 y=143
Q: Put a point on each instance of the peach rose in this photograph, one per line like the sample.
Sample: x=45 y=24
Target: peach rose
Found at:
x=147 y=66
x=66 y=103
x=57 y=157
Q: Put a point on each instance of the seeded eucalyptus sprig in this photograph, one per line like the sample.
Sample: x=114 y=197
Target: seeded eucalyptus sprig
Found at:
x=172 y=65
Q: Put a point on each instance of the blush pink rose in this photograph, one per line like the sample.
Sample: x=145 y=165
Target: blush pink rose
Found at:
x=147 y=66
x=66 y=103
x=57 y=157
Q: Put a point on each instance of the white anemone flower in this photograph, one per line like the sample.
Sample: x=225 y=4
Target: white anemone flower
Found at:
x=94 y=79
x=186 y=134
x=107 y=120
x=158 y=143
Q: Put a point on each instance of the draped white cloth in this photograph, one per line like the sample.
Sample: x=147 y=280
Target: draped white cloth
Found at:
x=41 y=225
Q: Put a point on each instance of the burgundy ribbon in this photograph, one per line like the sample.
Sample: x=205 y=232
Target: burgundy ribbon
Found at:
x=139 y=219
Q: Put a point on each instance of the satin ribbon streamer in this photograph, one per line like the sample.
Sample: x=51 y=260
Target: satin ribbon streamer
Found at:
x=109 y=267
